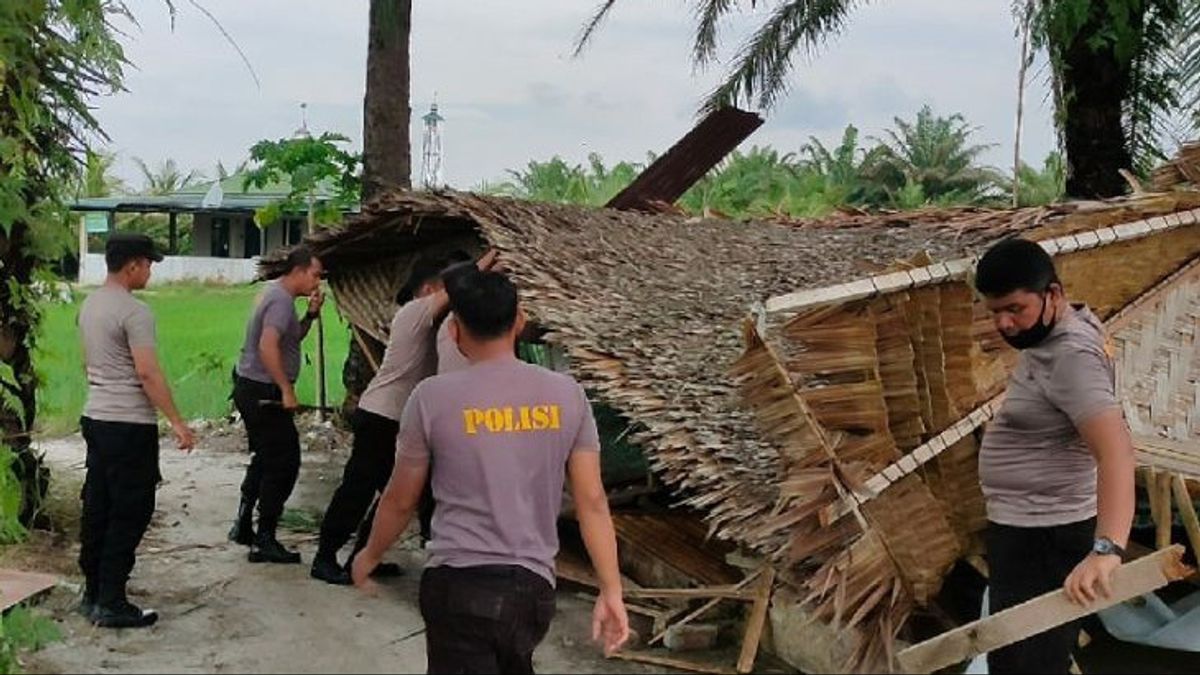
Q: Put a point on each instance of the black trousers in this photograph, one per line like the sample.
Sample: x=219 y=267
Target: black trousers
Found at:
x=1026 y=562
x=367 y=472
x=118 y=503
x=274 y=448
x=484 y=619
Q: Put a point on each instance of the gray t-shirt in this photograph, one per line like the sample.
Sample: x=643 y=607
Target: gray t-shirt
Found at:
x=1035 y=469
x=276 y=308
x=449 y=358
x=499 y=435
x=112 y=322
x=410 y=358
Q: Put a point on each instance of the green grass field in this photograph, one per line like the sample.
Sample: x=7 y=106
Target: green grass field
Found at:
x=200 y=331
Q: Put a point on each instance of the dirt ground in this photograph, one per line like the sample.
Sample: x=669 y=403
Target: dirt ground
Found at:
x=221 y=614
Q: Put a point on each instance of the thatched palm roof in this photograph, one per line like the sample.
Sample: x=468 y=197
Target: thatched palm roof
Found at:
x=649 y=309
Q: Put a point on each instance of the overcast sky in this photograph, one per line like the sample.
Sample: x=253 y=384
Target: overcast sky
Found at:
x=511 y=92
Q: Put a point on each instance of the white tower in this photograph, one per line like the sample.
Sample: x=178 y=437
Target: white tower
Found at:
x=431 y=164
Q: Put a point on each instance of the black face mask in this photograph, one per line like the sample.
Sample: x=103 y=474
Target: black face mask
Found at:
x=1033 y=336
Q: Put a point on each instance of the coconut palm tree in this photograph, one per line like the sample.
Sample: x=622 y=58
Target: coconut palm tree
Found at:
x=96 y=179
x=1121 y=70
x=166 y=177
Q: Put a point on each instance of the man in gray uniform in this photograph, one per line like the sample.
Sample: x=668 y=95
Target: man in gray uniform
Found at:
x=1057 y=463
x=501 y=439
x=265 y=395
x=120 y=427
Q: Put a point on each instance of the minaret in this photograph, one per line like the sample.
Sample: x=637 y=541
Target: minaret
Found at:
x=431 y=164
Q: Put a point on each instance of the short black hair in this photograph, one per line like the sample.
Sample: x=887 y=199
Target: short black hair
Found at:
x=122 y=247
x=298 y=257
x=484 y=302
x=1014 y=265
x=423 y=271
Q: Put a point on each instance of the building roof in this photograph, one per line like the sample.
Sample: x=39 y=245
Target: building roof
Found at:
x=211 y=196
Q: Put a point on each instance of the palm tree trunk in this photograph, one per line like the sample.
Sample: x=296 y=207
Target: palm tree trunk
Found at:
x=18 y=404
x=1096 y=83
x=387 y=158
x=387 y=151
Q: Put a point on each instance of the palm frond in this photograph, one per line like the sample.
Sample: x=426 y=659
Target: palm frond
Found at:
x=589 y=29
x=708 y=14
x=761 y=67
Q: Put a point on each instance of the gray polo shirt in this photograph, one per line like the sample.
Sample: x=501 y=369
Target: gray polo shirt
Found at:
x=276 y=308
x=1035 y=469
x=112 y=323
x=499 y=435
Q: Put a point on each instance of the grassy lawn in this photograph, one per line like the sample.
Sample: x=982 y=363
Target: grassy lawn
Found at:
x=200 y=332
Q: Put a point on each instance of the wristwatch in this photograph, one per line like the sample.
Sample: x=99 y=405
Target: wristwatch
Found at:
x=1106 y=546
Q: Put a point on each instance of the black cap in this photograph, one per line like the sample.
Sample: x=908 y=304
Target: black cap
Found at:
x=129 y=245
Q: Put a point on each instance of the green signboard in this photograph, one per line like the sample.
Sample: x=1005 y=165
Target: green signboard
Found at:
x=95 y=222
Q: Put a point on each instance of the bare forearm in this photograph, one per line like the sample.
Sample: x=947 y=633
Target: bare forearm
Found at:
x=600 y=538
x=159 y=393
x=391 y=520
x=1115 y=497
x=272 y=360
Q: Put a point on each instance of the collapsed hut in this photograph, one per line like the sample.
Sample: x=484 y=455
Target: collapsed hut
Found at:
x=877 y=389
x=866 y=359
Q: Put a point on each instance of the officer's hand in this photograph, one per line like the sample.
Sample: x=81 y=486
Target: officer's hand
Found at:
x=185 y=438
x=610 y=622
x=364 y=564
x=315 y=301
x=1094 y=572
x=488 y=260
x=289 y=403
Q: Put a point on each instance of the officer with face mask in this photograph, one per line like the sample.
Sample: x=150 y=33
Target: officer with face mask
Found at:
x=1057 y=463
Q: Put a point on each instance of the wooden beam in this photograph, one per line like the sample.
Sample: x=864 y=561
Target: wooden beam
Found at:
x=1187 y=512
x=362 y=344
x=1166 y=518
x=1040 y=614
x=675 y=664
x=705 y=608
x=719 y=592
x=757 y=621
x=702 y=149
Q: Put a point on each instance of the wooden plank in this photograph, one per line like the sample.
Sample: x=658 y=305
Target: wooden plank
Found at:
x=756 y=622
x=676 y=664
x=705 y=608
x=1162 y=492
x=1187 y=512
x=720 y=592
x=17 y=587
x=1040 y=614
x=665 y=180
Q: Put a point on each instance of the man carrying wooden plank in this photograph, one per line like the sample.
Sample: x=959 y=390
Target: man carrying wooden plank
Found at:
x=502 y=437
x=120 y=427
x=1056 y=463
x=410 y=357
x=265 y=395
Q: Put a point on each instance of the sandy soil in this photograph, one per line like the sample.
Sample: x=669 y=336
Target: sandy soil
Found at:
x=222 y=614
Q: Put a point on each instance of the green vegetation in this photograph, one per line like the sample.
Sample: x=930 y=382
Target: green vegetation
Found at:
x=22 y=630
x=928 y=161
x=200 y=331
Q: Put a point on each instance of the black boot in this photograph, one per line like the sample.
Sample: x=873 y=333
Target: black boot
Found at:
x=113 y=609
x=87 y=604
x=242 y=531
x=328 y=570
x=124 y=615
x=268 y=549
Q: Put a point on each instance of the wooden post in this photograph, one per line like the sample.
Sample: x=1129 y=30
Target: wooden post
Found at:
x=1162 y=492
x=757 y=621
x=1041 y=614
x=321 y=365
x=83 y=246
x=1187 y=513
